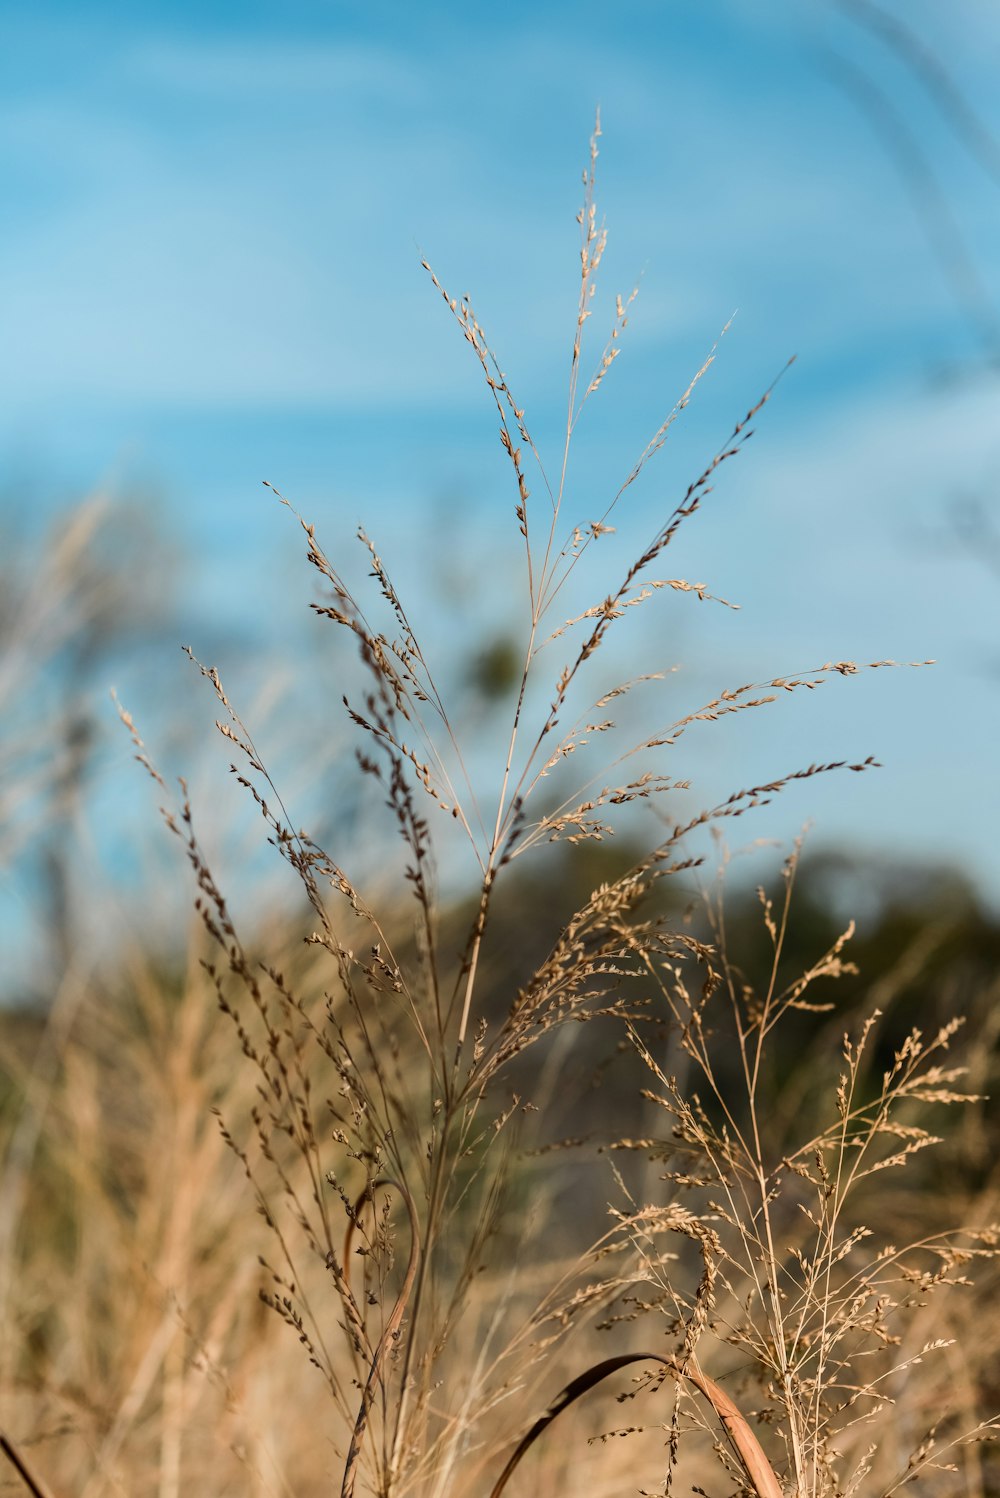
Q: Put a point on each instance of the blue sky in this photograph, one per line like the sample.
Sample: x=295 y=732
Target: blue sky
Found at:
x=214 y=216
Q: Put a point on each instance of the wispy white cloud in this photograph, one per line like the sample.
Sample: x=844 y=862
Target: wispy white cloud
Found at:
x=229 y=217
x=220 y=68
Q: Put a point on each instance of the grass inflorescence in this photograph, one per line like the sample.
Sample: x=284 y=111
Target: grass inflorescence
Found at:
x=388 y=1108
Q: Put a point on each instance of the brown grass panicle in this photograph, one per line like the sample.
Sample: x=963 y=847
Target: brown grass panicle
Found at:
x=412 y=1067
x=843 y=1341
x=380 y=1139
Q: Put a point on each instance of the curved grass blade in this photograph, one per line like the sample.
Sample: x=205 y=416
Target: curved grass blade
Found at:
x=748 y=1448
x=32 y=1483
x=386 y=1341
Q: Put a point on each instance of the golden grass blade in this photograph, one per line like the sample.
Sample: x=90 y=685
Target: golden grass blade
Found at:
x=748 y=1448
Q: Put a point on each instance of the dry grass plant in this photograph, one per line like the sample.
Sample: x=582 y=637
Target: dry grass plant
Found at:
x=136 y=1355
x=386 y=1104
x=831 y=1319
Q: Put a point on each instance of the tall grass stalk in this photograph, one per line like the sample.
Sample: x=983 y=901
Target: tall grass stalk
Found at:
x=387 y=1141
